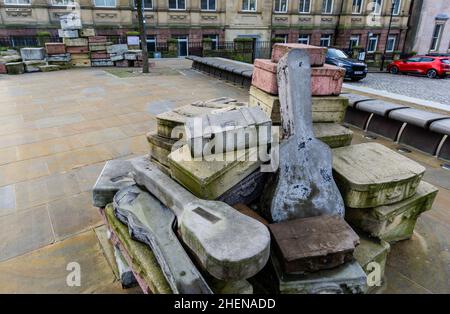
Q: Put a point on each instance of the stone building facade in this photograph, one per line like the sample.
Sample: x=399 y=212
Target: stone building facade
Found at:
x=341 y=23
x=429 y=31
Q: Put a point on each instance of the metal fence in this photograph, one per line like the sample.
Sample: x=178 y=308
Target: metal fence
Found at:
x=26 y=41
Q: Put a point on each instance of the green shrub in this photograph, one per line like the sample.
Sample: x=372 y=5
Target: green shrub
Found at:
x=43 y=34
x=243 y=39
x=172 y=41
x=132 y=33
x=276 y=40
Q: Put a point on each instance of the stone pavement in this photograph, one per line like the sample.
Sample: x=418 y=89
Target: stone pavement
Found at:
x=436 y=90
x=57 y=130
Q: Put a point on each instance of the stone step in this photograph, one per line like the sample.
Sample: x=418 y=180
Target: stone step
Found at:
x=333 y=134
x=370 y=175
x=394 y=222
x=313 y=244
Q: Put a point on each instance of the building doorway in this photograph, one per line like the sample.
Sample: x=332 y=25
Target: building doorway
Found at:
x=183 y=46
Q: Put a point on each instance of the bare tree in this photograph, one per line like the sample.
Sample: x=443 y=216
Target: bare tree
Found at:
x=142 y=34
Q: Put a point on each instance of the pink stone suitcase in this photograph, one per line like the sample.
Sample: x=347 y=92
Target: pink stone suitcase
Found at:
x=99 y=55
x=97 y=39
x=55 y=48
x=316 y=54
x=326 y=80
x=3 y=68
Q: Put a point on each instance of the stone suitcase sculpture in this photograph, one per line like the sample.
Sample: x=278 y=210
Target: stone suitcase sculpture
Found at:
x=55 y=48
x=229 y=245
x=371 y=175
x=304 y=185
x=151 y=222
x=333 y=134
x=316 y=54
x=216 y=133
x=312 y=244
x=160 y=148
x=32 y=54
x=394 y=222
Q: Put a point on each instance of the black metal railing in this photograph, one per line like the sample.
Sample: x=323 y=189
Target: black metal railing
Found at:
x=26 y=41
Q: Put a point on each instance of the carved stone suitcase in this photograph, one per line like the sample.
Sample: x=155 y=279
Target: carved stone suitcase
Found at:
x=246 y=191
x=370 y=175
x=78 y=42
x=394 y=222
x=324 y=108
x=55 y=48
x=78 y=49
x=325 y=80
x=211 y=179
x=222 y=132
x=160 y=147
x=314 y=243
x=333 y=134
x=316 y=54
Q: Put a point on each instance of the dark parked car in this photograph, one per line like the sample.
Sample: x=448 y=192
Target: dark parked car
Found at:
x=354 y=69
x=433 y=67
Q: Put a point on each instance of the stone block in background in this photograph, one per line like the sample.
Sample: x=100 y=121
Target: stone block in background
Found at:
x=324 y=108
x=348 y=278
x=32 y=54
x=117 y=58
x=80 y=49
x=247 y=191
x=3 y=68
x=100 y=55
x=121 y=63
x=49 y=68
x=316 y=54
x=167 y=121
x=126 y=275
x=371 y=250
x=102 y=63
x=160 y=147
x=68 y=33
x=15 y=68
x=333 y=134
x=118 y=49
x=234 y=130
x=130 y=56
x=312 y=244
x=33 y=65
x=65 y=57
x=75 y=42
x=55 y=48
x=87 y=32
x=70 y=21
x=81 y=62
x=371 y=175
x=97 y=39
x=325 y=80
x=62 y=65
x=80 y=56
x=394 y=222
x=97 y=47
x=210 y=179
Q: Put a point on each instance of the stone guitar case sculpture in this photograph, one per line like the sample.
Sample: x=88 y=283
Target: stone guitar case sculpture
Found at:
x=304 y=185
x=229 y=245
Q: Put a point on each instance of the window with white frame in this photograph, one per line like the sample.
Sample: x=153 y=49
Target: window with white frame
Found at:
x=18 y=2
x=436 y=37
x=303 y=39
x=354 y=41
x=105 y=3
x=62 y=2
x=208 y=5
x=390 y=47
x=281 y=6
x=377 y=6
x=327 y=6
x=373 y=44
x=325 y=40
x=397 y=5
x=357 y=6
x=249 y=5
x=177 y=4
x=148 y=4
x=304 y=6
x=214 y=40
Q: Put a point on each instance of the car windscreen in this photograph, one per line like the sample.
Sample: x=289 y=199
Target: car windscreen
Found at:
x=336 y=53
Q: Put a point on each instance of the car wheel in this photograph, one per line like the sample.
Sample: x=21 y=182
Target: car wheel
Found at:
x=393 y=70
x=432 y=73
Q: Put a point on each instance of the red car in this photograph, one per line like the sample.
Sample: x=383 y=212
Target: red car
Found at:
x=431 y=66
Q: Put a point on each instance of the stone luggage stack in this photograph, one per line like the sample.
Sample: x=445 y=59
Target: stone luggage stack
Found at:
x=383 y=191
x=98 y=46
x=328 y=107
x=75 y=39
x=57 y=55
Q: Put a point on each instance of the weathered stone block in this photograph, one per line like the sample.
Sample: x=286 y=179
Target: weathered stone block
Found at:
x=100 y=55
x=32 y=54
x=80 y=49
x=55 y=48
x=97 y=39
x=316 y=54
x=48 y=68
x=3 y=68
x=33 y=65
x=98 y=46
x=70 y=21
x=130 y=56
x=333 y=134
x=324 y=108
x=87 y=32
x=121 y=63
x=394 y=222
x=68 y=33
x=118 y=49
x=207 y=178
x=371 y=175
x=75 y=42
x=325 y=81
x=79 y=56
x=312 y=244
x=160 y=147
x=15 y=68
x=102 y=63
x=66 y=57
x=247 y=190
x=63 y=65
x=118 y=58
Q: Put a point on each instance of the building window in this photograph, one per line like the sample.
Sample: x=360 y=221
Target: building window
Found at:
x=208 y=5
x=282 y=36
x=436 y=37
x=377 y=5
x=373 y=43
x=249 y=5
x=391 y=43
x=62 y=2
x=304 y=6
x=18 y=2
x=325 y=40
x=148 y=4
x=354 y=41
x=105 y=3
x=214 y=41
x=327 y=6
x=357 y=6
x=281 y=6
x=397 y=4
x=177 y=4
x=303 y=39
